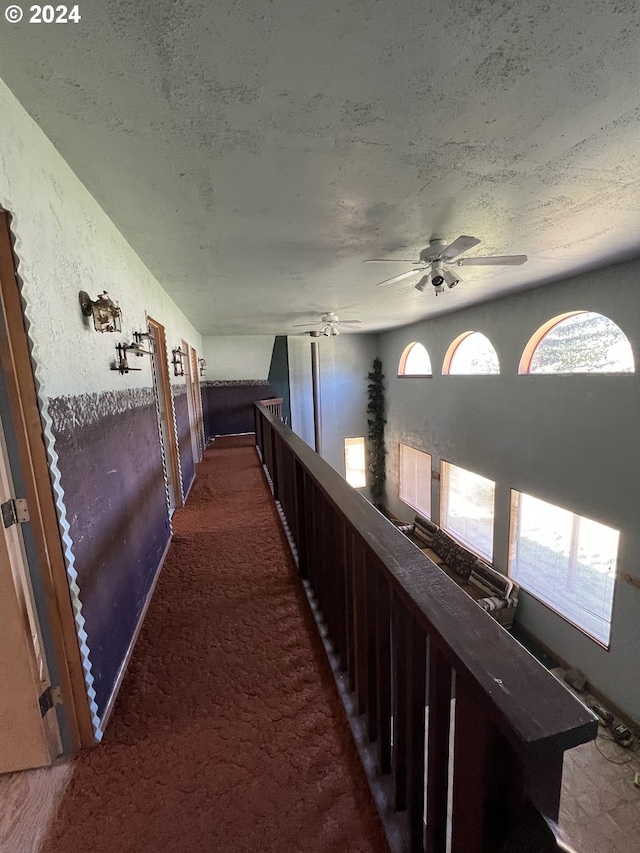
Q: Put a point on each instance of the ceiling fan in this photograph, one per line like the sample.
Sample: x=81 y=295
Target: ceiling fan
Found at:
x=436 y=260
x=329 y=323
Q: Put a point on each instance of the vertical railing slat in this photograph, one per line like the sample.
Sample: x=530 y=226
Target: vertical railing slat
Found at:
x=439 y=715
x=360 y=618
x=383 y=670
x=416 y=700
x=399 y=627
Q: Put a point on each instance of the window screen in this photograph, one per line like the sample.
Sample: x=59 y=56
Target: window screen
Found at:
x=566 y=561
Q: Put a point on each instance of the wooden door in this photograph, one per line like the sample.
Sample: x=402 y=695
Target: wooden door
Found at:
x=166 y=416
x=191 y=402
x=195 y=384
x=29 y=733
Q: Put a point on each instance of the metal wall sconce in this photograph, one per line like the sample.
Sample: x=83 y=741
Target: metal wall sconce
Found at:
x=176 y=361
x=136 y=347
x=106 y=313
x=202 y=364
x=140 y=337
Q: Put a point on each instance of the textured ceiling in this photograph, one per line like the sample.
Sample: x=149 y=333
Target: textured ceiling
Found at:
x=255 y=152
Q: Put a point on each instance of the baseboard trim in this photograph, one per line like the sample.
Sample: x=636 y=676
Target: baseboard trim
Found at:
x=592 y=690
x=186 y=497
x=127 y=658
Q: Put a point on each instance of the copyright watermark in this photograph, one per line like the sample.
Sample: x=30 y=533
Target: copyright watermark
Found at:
x=13 y=14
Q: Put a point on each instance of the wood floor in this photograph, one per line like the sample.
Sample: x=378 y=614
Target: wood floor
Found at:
x=28 y=802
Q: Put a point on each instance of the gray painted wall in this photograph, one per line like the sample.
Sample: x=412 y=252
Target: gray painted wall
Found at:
x=345 y=362
x=569 y=440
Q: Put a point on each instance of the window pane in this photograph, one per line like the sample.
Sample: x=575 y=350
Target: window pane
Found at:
x=415 y=479
x=467 y=508
x=416 y=361
x=583 y=343
x=566 y=561
x=355 y=462
x=474 y=354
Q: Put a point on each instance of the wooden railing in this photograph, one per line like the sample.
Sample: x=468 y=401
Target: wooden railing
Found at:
x=467 y=729
x=273 y=405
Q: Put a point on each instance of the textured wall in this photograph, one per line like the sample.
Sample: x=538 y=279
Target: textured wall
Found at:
x=279 y=375
x=345 y=362
x=301 y=401
x=100 y=427
x=237 y=357
x=569 y=440
x=108 y=450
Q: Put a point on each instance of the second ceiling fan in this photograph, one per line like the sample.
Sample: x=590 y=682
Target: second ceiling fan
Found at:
x=435 y=262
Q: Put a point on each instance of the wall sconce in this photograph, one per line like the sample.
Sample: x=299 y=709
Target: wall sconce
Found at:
x=202 y=364
x=176 y=361
x=106 y=313
x=140 y=337
x=122 y=365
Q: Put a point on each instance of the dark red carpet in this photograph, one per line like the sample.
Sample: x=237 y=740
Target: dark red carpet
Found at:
x=228 y=734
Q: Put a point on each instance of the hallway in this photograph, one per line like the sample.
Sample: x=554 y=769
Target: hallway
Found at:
x=228 y=734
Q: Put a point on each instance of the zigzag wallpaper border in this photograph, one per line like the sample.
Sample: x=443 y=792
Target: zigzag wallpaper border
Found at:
x=58 y=491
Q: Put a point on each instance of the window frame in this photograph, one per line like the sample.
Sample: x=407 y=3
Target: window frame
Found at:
x=360 y=442
x=403 y=362
x=453 y=348
x=514 y=524
x=403 y=500
x=536 y=339
x=444 y=510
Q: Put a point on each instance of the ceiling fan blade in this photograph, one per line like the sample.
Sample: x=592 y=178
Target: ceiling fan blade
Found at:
x=462 y=244
x=391 y=260
x=496 y=260
x=398 y=277
x=349 y=322
x=304 y=325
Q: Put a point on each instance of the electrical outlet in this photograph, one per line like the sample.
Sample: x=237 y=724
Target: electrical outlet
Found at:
x=622 y=735
x=605 y=717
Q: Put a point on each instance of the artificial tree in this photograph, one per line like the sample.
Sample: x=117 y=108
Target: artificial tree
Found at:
x=376 y=422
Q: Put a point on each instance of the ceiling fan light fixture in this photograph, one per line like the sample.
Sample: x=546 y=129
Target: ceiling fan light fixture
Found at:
x=450 y=278
x=423 y=283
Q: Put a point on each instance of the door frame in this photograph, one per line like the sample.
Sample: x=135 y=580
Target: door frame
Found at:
x=56 y=608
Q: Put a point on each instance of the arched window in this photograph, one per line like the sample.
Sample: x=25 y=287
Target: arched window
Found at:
x=415 y=361
x=578 y=342
x=470 y=353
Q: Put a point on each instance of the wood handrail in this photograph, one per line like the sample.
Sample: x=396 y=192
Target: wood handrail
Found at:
x=499 y=685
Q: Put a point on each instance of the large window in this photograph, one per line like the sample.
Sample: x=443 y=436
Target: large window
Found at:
x=566 y=561
x=354 y=462
x=466 y=508
x=415 y=479
x=578 y=342
x=471 y=353
x=415 y=361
